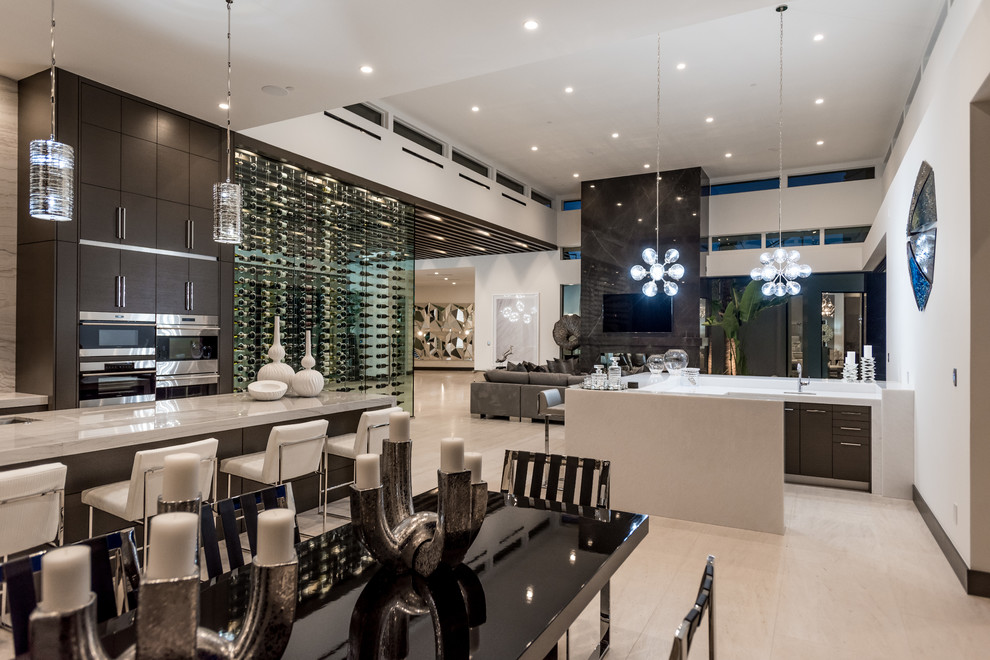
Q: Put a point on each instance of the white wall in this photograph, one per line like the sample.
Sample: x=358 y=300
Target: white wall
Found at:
x=444 y=294
x=569 y=228
x=821 y=258
x=529 y=272
x=8 y=231
x=925 y=346
x=328 y=141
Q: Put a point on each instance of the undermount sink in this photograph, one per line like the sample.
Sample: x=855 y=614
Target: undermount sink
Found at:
x=16 y=420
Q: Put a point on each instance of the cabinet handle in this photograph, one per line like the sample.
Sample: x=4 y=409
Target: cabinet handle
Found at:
x=120 y=223
x=788 y=409
x=187 y=234
x=123 y=224
x=116 y=290
x=192 y=296
x=851 y=444
x=850 y=428
x=123 y=290
x=815 y=411
x=185 y=290
x=192 y=234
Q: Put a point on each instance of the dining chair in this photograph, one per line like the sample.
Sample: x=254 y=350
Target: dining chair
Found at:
x=293 y=451
x=233 y=513
x=115 y=577
x=578 y=485
x=549 y=403
x=136 y=500
x=32 y=501
x=684 y=636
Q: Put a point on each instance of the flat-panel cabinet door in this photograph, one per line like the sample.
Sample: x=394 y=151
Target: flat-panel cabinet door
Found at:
x=173 y=277
x=792 y=439
x=99 y=156
x=138 y=173
x=138 y=271
x=173 y=226
x=139 y=220
x=204 y=277
x=202 y=232
x=850 y=459
x=99 y=217
x=98 y=285
x=816 y=441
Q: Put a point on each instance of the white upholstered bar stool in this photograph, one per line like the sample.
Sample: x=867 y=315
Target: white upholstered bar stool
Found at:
x=371 y=431
x=294 y=450
x=136 y=500
x=31 y=504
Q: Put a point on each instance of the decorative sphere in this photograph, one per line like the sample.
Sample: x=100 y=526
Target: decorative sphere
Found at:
x=675 y=359
x=805 y=270
x=637 y=272
x=780 y=255
x=765 y=258
x=520 y=305
x=670 y=288
x=650 y=288
x=793 y=288
x=655 y=364
x=767 y=288
x=277 y=371
x=650 y=256
x=769 y=273
x=656 y=271
x=793 y=255
x=792 y=271
x=671 y=255
x=756 y=273
x=779 y=289
x=675 y=271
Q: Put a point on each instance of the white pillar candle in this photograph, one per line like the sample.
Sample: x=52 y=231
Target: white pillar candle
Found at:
x=867 y=351
x=452 y=455
x=367 y=471
x=172 y=546
x=180 y=481
x=850 y=357
x=65 y=580
x=472 y=461
x=398 y=426
x=275 y=537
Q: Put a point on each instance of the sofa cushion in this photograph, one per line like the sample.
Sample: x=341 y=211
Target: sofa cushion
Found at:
x=515 y=366
x=506 y=376
x=554 y=366
x=555 y=380
x=574 y=379
x=569 y=366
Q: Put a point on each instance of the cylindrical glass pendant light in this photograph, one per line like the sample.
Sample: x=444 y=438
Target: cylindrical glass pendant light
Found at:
x=51 y=164
x=227 y=195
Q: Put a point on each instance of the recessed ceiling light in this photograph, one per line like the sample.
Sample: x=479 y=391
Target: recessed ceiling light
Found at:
x=531 y=24
x=680 y=199
x=709 y=119
x=639 y=219
x=534 y=148
x=681 y=66
x=592 y=185
x=483 y=232
x=646 y=166
x=435 y=273
x=819 y=37
x=275 y=90
x=445 y=279
x=568 y=90
x=618 y=203
x=694 y=214
x=820 y=142
x=728 y=155
x=615 y=135
x=576 y=175
x=475 y=108
x=819 y=101
x=224 y=106
x=366 y=69
x=453 y=284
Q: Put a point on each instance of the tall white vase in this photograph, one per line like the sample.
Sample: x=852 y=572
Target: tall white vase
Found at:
x=276 y=369
x=308 y=382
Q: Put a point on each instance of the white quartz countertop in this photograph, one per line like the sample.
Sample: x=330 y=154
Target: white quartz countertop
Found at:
x=21 y=400
x=751 y=387
x=59 y=433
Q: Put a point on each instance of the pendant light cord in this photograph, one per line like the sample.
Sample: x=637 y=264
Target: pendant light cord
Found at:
x=228 y=159
x=657 y=227
x=780 y=133
x=53 y=71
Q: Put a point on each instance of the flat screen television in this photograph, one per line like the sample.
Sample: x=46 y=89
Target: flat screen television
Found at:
x=634 y=312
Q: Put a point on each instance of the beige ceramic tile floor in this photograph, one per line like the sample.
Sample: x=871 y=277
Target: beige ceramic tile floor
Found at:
x=854 y=577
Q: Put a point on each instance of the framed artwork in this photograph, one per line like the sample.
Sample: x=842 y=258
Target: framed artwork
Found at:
x=517 y=327
x=922 y=227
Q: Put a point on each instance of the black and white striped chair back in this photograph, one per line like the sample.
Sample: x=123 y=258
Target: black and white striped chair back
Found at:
x=556 y=478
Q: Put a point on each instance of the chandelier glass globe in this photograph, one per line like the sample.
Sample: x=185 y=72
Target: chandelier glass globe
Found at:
x=780 y=271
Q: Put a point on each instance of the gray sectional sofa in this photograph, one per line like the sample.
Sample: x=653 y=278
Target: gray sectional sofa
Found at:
x=514 y=393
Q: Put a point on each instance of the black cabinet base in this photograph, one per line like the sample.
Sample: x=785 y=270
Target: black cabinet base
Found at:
x=826 y=482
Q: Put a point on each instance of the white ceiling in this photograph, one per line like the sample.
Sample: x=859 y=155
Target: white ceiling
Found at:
x=446 y=277
x=434 y=60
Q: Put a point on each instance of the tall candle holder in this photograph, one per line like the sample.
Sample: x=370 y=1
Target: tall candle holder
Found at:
x=867 y=370
x=849 y=371
x=403 y=539
x=66 y=635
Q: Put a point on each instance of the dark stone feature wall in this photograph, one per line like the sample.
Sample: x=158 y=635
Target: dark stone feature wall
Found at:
x=612 y=241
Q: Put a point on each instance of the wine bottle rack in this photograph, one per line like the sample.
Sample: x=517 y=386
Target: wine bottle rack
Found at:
x=331 y=258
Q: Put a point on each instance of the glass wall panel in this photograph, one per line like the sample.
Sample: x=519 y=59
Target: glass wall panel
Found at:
x=327 y=257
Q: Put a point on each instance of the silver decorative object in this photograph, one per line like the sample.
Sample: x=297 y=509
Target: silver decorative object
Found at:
x=66 y=635
x=402 y=539
x=167 y=616
x=227 y=195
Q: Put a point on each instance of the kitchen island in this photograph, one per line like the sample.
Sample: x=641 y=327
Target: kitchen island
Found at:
x=712 y=451
x=98 y=444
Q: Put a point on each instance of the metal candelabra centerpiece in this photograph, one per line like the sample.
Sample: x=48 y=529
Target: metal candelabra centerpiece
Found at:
x=403 y=539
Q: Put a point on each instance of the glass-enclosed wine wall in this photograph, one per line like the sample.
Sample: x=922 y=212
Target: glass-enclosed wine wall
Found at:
x=327 y=257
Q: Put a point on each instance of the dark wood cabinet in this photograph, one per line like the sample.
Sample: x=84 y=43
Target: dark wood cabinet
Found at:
x=188 y=285
x=827 y=441
x=184 y=228
x=138 y=169
x=99 y=156
x=110 y=216
x=112 y=280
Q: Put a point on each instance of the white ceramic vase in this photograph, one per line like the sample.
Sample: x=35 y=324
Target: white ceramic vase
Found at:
x=276 y=369
x=308 y=382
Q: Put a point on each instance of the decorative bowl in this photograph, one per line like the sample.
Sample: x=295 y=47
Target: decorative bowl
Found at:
x=655 y=363
x=267 y=390
x=675 y=359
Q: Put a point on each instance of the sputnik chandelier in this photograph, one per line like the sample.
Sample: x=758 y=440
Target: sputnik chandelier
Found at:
x=780 y=268
x=666 y=273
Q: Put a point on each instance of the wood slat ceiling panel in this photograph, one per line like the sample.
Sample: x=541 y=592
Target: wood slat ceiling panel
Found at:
x=439 y=237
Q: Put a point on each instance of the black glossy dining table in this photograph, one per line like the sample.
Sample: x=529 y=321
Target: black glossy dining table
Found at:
x=532 y=569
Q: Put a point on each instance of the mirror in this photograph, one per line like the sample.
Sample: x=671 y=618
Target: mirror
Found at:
x=843 y=330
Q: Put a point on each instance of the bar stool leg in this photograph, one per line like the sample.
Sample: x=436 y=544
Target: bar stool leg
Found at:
x=546 y=433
